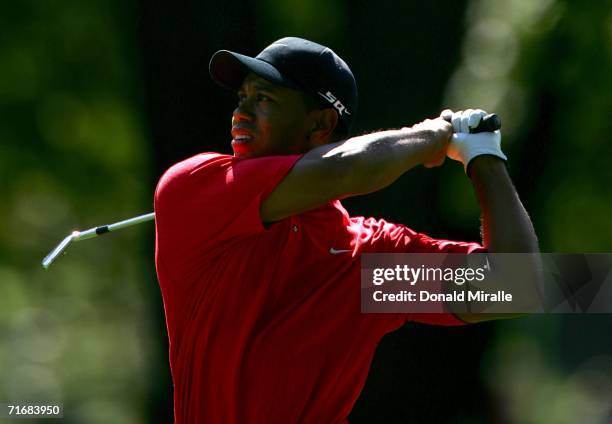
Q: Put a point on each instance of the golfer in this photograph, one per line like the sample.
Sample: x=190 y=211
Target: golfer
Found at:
x=259 y=262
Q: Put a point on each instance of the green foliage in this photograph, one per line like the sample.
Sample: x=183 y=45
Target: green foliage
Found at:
x=554 y=94
x=545 y=68
x=569 y=68
x=73 y=155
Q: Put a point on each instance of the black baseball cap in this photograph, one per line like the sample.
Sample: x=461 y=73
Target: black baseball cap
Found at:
x=298 y=64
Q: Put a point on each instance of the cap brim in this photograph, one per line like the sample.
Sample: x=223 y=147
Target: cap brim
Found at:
x=229 y=69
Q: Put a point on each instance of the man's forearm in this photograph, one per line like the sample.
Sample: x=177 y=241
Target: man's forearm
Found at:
x=506 y=227
x=355 y=166
x=378 y=159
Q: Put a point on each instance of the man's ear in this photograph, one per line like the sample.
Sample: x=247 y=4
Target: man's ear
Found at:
x=325 y=122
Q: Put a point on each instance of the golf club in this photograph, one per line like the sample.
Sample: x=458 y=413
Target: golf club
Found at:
x=92 y=232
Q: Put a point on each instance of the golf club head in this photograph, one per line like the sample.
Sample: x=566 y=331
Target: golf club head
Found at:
x=58 y=250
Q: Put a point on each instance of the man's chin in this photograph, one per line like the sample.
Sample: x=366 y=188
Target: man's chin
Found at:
x=242 y=149
x=246 y=154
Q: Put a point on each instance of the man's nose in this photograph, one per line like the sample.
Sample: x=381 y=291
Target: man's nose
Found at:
x=243 y=112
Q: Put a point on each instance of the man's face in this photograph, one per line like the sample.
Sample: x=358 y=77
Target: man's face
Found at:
x=269 y=120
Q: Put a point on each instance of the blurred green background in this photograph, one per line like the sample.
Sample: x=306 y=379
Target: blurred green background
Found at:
x=98 y=98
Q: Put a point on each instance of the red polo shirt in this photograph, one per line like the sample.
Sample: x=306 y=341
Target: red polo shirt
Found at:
x=264 y=323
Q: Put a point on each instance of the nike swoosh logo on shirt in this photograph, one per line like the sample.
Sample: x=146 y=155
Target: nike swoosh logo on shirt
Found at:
x=338 y=251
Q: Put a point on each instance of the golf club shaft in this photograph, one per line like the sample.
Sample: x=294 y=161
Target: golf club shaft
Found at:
x=96 y=231
x=93 y=232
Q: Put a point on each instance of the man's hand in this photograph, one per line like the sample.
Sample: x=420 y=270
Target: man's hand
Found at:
x=436 y=137
x=464 y=147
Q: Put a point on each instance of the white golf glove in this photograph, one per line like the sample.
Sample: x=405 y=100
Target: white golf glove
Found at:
x=465 y=146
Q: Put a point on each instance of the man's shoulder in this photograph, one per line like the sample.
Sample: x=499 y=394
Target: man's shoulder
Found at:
x=178 y=174
x=195 y=163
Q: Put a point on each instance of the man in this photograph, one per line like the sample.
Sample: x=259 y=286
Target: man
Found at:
x=259 y=263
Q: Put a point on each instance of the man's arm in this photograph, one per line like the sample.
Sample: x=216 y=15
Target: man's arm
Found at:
x=356 y=166
x=506 y=227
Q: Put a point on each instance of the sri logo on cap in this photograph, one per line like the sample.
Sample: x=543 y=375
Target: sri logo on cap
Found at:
x=337 y=104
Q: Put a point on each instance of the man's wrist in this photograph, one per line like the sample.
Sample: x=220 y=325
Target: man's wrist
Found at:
x=486 y=166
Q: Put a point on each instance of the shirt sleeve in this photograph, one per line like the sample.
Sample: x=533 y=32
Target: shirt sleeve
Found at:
x=212 y=198
x=379 y=236
x=386 y=237
x=420 y=242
